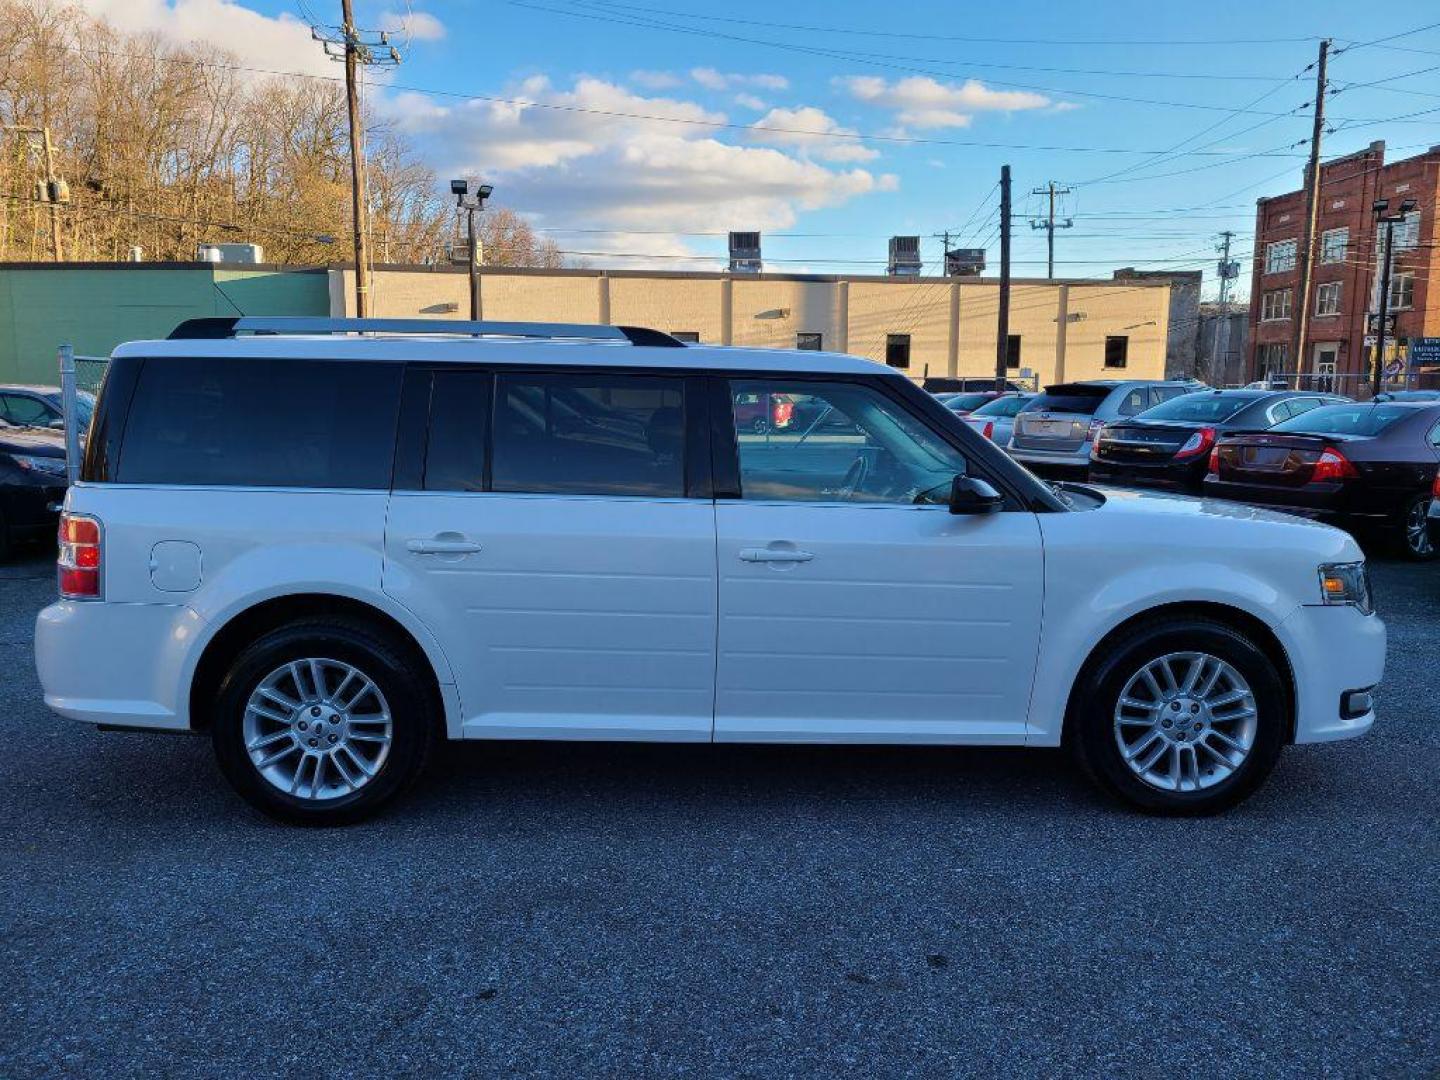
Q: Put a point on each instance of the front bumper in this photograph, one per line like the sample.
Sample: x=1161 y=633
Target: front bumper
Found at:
x=121 y=664
x=1332 y=651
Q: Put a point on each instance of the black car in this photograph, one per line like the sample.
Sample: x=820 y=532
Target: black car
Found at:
x=1369 y=467
x=32 y=480
x=1169 y=445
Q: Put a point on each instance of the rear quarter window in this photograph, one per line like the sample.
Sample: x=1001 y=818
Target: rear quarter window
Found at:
x=261 y=422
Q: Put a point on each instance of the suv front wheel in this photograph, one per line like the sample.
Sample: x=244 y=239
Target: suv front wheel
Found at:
x=322 y=722
x=1180 y=716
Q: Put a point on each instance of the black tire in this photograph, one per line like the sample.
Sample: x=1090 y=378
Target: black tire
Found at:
x=1415 y=547
x=1090 y=725
x=415 y=723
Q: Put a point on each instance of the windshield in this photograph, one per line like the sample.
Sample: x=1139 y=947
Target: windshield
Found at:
x=1005 y=406
x=1357 y=419
x=965 y=402
x=1071 y=399
x=1199 y=408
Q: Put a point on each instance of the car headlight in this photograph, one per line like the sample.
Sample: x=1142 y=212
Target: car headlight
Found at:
x=48 y=465
x=1346 y=583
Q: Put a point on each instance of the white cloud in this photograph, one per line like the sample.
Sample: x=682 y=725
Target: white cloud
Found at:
x=565 y=168
x=721 y=80
x=922 y=102
x=750 y=101
x=656 y=80
x=278 y=43
x=416 y=25
x=792 y=127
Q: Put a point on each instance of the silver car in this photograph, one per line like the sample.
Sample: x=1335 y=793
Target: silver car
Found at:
x=1058 y=428
x=996 y=418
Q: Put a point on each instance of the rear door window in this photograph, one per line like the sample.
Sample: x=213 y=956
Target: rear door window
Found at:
x=248 y=421
x=589 y=434
x=1134 y=401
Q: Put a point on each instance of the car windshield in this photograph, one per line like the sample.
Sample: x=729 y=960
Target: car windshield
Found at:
x=1004 y=406
x=1071 y=399
x=1200 y=408
x=965 y=402
x=1357 y=419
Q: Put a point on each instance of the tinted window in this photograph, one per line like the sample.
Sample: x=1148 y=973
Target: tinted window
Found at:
x=1355 y=419
x=1201 y=408
x=1004 y=406
x=459 y=417
x=1071 y=399
x=1167 y=393
x=589 y=434
x=854 y=445
x=259 y=422
x=1304 y=405
x=1134 y=401
x=25 y=410
x=965 y=402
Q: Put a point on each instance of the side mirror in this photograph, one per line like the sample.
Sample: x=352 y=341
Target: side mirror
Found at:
x=970 y=495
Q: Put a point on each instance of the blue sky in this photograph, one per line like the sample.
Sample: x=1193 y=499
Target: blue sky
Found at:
x=754 y=101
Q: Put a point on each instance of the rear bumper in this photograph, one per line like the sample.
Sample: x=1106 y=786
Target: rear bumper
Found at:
x=1172 y=475
x=1332 y=650
x=121 y=664
x=1064 y=459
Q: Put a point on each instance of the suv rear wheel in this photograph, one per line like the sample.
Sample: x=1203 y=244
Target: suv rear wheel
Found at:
x=322 y=722
x=1181 y=716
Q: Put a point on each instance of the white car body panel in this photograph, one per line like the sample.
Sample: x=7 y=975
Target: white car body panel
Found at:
x=908 y=624
x=593 y=617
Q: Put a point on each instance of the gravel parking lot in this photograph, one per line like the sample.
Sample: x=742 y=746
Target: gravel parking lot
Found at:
x=622 y=910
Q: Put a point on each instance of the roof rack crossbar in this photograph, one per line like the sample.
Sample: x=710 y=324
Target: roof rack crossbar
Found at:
x=305 y=325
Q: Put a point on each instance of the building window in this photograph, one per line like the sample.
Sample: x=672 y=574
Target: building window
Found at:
x=1327 y=299
x=808 y=342
x=897 y=350
x=692 y=336
x=1117 y=350
x=1280 y=256
x=1334 y=245
x=1275 y=305
x=1012 y=351
x=1270 y=360
x=1402 y=291
x=1407 y=232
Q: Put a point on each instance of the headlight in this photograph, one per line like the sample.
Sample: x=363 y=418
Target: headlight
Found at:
x=1346 y=583
x=48 y=465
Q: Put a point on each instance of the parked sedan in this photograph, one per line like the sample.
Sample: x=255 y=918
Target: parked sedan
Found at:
x=1057 y=430
x=964 y=404
x=996 y=418
x=1169 y=446
x=1366 y=466
x=32 y=481
x=41 y=406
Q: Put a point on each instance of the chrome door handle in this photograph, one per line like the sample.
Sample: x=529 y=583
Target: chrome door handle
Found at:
x=436 y=546
x=775 y=555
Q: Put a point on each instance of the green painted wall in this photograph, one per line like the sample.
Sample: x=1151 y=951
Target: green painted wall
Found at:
x=97 y=306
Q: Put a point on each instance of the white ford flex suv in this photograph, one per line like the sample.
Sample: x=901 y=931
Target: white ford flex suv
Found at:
x=333 y=545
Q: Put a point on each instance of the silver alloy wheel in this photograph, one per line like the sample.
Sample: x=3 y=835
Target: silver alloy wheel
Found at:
x=1185 y=721
x=317 y=729
x=1417 y=528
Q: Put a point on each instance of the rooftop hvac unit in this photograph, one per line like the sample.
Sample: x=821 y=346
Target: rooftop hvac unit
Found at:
x=745 y=253
x=964 y=262
x=904 y=256
x=230 y=253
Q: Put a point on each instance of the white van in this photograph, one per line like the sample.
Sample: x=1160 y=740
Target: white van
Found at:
x=334 y=544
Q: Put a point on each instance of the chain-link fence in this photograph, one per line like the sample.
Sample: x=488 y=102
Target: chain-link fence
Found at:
x=90 y=372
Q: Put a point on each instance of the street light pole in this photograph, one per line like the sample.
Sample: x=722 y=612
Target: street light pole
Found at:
x=1380 y=207
x=471 y=197
x=473 y=264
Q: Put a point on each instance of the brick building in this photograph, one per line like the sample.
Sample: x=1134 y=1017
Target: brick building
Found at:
x=1338 y=347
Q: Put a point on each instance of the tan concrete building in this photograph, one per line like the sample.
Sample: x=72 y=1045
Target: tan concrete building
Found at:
x=929 y=326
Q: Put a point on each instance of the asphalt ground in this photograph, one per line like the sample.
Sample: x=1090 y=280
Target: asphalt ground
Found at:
x=604 y=910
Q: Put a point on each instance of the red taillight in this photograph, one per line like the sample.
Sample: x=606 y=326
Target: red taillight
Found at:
x=1197 y=444
x=79 y=560
x=1332 y=465
x=1435 y=486
x=1096 y=427
x=989 y=429
x=1214 y=467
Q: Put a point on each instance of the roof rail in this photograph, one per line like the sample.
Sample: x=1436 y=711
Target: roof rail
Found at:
x=211 y=328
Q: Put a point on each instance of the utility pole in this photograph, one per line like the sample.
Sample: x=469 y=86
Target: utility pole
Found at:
x=1002 y=330
x=1049 y=224
x=353 y=48
x=1312 y=209
x=55 y=190
x=1228 y=271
